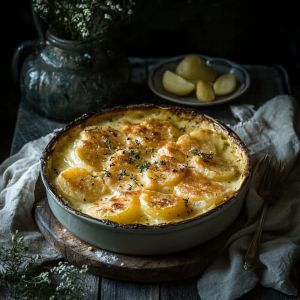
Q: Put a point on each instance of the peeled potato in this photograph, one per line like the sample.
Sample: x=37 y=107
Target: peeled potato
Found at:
x=197 y=187
x=209 y=141
x=194 y=68
x=225 y=84
x=122 y=209
x=163 y=207
x=204 y=91
x=167 y=172
x=80 y=184
x=176 y=84
x=215 y=169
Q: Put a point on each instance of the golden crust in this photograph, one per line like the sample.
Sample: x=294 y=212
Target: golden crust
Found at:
x=81 y=184
x=151 y=132
x=147 y=168
x=163 y=207
x=95 y=143
x=123 y=208
x=196 y=187
x=216 y=169
x=164 y=172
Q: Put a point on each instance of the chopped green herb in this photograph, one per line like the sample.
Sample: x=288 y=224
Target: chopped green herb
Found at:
x=144 y=166
x=133 y=178
x=108 y=144
x=138 y=142
x=121 y=174
x=186 y=201
x=134 y=155
x=106 y=172
x=205 y=156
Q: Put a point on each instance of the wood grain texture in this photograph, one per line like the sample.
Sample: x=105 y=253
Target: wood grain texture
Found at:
x=6 y=291
x=116 y=290
x=187 y=289
x=161 y=268
x=92 y=285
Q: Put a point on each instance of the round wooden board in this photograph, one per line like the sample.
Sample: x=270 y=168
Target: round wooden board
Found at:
x=170 y=267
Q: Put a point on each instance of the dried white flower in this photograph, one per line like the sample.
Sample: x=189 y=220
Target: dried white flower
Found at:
x=107 y=17
x=82 y=18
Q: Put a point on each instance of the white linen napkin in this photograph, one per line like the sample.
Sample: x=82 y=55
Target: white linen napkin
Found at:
x=18 y=176
x=268 y=130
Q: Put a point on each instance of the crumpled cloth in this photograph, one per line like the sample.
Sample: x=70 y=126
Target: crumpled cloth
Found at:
x=270 y=129
x=18 y=177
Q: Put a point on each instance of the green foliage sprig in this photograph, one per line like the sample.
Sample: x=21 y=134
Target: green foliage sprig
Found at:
x=63 y=281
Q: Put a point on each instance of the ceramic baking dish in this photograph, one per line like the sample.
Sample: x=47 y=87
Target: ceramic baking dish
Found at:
x=142 y=239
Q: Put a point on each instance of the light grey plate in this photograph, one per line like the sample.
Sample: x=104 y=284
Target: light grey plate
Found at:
x=219 y=64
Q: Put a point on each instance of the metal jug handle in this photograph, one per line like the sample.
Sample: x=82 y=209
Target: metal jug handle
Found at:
x=27 y=47
x=19 y=57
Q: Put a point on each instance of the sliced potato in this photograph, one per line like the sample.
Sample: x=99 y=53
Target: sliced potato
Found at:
x=204 y=91
x=209 y=140
x=162 y=207
x=94 y=144
x=225 y=84
x=122 y=209
x=201 y=142
x=215 y=169
x=194 y=68
x=165 y=173
x=80 y=184
x=176 y=84
x=196 y=187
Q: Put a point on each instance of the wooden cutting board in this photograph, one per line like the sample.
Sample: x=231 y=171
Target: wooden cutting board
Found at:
x=101 y=262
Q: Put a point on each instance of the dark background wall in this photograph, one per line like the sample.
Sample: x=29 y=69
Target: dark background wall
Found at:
x=249 y=31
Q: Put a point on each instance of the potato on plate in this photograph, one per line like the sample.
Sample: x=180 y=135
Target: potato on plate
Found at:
x=194 y=68
x=176 y=84
x=225 y=84
x=204 y=91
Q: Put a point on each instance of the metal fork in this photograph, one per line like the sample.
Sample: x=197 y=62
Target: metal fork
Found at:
x=268 y=188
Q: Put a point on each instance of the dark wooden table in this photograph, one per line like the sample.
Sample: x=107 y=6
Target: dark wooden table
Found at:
x=266 y=82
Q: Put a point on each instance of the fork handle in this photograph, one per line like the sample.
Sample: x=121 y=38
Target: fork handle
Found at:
x=251 y=257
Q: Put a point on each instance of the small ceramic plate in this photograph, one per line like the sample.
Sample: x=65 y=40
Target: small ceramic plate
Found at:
x=219 y=64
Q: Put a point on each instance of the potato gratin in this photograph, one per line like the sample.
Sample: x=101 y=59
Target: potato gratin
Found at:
x=147 y=166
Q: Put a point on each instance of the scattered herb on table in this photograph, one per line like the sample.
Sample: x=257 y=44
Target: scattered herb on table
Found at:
x=63 y=281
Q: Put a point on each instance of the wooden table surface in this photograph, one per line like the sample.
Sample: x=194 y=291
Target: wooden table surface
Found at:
x=266 y=82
